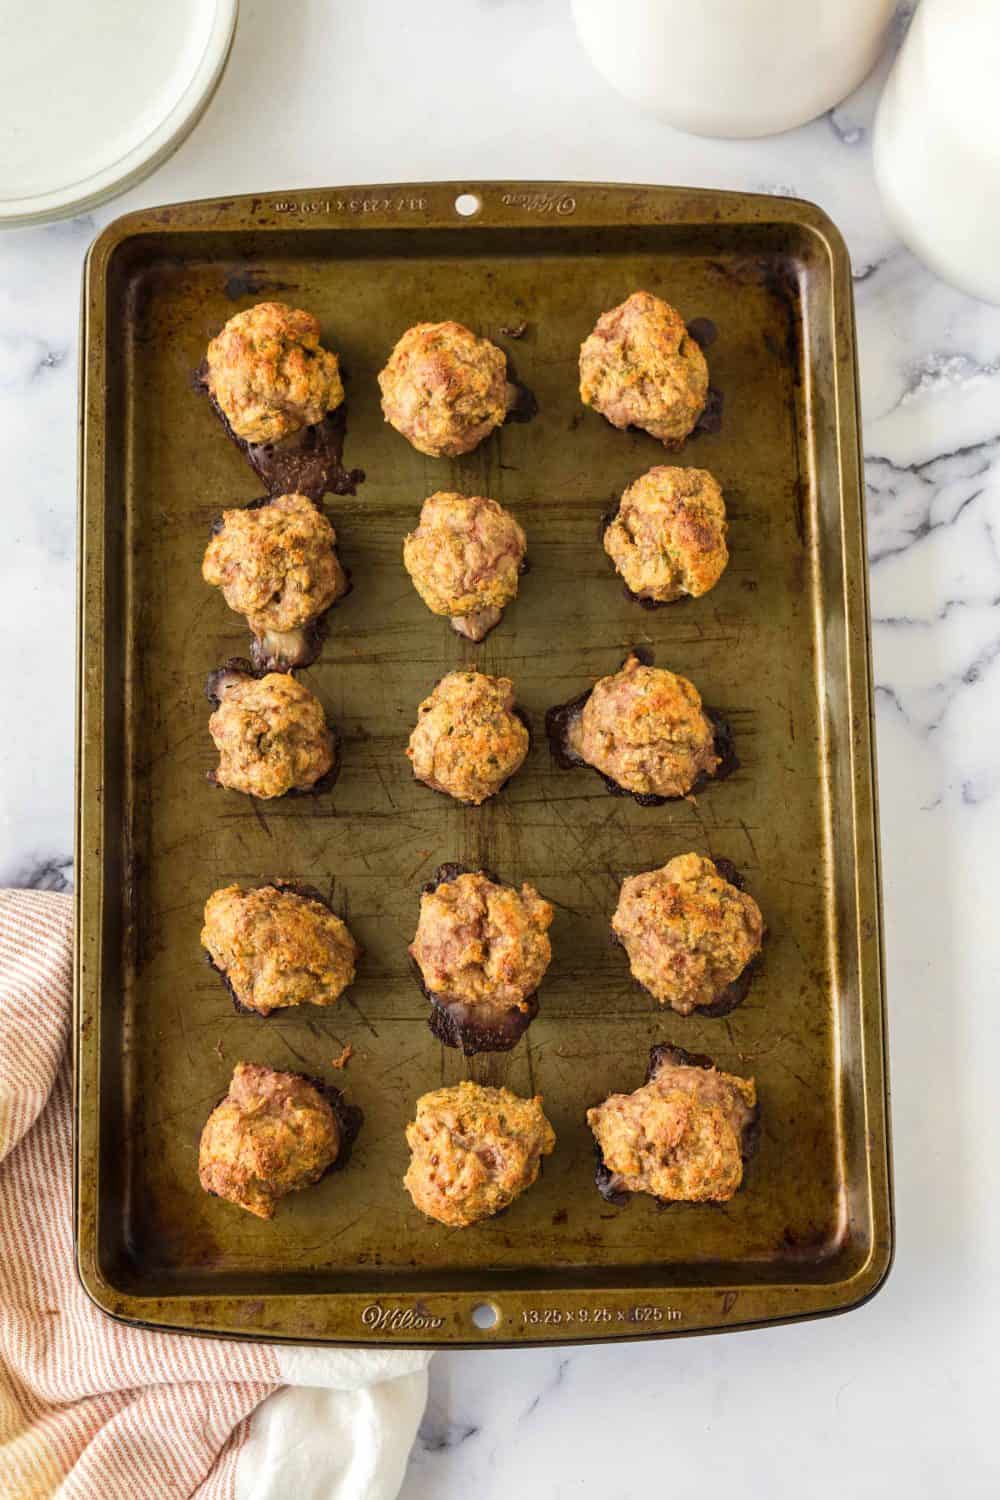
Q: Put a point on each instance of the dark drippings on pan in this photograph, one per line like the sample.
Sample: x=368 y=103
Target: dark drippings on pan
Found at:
x=457 y=1023
x=703 y=331
x=514 y=330
x=710 y=420
x=232 y=672
x=350 y=1118
x=522 y=404
x=308 y=462
x=250 y=282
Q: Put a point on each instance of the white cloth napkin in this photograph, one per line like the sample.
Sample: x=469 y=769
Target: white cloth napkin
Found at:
x=93 y=1410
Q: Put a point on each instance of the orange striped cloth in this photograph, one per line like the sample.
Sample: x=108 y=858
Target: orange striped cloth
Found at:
x=89 y=1409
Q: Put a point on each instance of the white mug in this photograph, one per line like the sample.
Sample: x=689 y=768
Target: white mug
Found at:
x=937 y=143
x=734 y=67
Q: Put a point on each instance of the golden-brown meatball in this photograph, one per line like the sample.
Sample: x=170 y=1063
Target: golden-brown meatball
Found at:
x=268 y=374
x=669 y=536
x=276 y=947
x=482 y=949
x=468 y=741
x=273 y=1134
x=682 y=1136
x=277 y=564
x=270 y=733
x=688 y=931
x=644 y=729
x=444 y=389
x=641 y=368
x=475 y=1150
x=465 y=558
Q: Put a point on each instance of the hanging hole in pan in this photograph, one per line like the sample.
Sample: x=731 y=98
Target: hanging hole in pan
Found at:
x=485 y=1316
x=468 y=204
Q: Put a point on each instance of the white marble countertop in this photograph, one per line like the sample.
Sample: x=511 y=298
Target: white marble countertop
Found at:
x=905 y=1387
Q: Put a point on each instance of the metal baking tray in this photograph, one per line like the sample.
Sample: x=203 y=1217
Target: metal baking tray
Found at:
x=780 y=647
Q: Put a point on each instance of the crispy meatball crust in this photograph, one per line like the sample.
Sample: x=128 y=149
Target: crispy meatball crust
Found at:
x=468 y=741
x=277 y=948
x=276 y=563
x=465 y=558
x=269 y=375
x=641 y=368
x=669 y=536
x=271 y=736
x=688 y=932
x=444 y=389
x=273 y=1134
x=480 y=942
x=646 y=730
x=682 y=1136
x=475 y=1150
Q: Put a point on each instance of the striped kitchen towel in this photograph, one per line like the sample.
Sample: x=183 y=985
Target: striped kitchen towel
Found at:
x=93 y=1410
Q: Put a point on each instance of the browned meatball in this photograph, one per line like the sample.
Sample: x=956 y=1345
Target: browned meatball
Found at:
x=689 y=933
x=468 y=741
x=273 y=1134
x=644 y=729
x=682 y=1136
x=444 y=389
x=276 y=947
x=669 y=536
x=475 y=1150
x=269 y=375
x=277 y=564
x=641 y=368
x=482 y=949
x=465 y=558
x=270 y=733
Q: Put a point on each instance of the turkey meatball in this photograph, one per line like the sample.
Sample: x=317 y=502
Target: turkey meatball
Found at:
x=474 y=1150
x=270 y=733
x=276 y=946
x=643 y=729
x=683 y=1136
x=468 y=739
x=277 y=564
x=482 y=949
x=268 y=374
x=641 y=368
x=465 y=558
x=273 y=1134
x=445 y=389
x=690 y=933
x=669 y=535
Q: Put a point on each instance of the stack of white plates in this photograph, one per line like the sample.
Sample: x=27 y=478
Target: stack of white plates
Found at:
x=96 y=93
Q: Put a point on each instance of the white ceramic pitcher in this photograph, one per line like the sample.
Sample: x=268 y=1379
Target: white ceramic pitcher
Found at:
x=937 y=142
x=734 y=67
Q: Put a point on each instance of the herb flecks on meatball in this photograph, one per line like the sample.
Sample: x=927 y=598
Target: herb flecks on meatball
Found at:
x=468 y=741
x=688 y=931
x=276 y=947
x=445 y=389
x=643 y=729
x=474 y=1150
x=465 y=558
x=641 y=368
x=482 y=949
x=668 y=538
x=277 y=564
x=682 y=1137
x=270 y=733
x=269 y=375
x=273 y=1134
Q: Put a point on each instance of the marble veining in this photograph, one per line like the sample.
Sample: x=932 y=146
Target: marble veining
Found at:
x=902 y=1389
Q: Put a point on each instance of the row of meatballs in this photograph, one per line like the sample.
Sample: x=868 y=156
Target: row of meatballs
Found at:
x=482 y=949
x=643 y=728
x=682 y=1136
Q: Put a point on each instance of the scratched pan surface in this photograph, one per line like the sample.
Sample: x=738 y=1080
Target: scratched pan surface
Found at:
x=780 y=647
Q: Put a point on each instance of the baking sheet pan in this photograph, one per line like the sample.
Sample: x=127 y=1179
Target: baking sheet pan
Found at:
x=780 y=647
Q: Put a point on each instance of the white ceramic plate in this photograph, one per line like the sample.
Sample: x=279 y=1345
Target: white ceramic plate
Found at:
x=96 y=93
